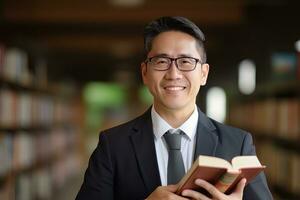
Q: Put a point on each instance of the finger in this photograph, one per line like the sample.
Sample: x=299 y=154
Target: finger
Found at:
x=182 y=198
x=171 y=188
x=194 y=195
x=209 y=188
x=240 y=187
x=163 y=192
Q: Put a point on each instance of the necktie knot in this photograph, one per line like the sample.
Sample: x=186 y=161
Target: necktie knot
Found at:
x=173 y=140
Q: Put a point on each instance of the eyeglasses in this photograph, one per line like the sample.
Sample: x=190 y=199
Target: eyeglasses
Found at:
x=163 y=63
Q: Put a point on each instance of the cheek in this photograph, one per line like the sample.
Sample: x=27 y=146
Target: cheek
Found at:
x=150 y=81
x=154 y=83
x=154 y=78
x=195 y=83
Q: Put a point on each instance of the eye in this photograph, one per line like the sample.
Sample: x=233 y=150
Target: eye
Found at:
x=160 y=60
x=186 y=61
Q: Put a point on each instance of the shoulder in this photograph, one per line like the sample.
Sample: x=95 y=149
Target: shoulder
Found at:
x=229 y=131
x=223 y=131
x=234 y=138
x=120 y=130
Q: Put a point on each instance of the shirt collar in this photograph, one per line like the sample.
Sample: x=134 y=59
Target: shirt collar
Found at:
x=160 y=126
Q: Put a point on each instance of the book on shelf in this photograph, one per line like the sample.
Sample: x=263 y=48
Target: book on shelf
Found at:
x=276 y=117
x=295 y=183
x=8 y=112
x=15 y=66
x=221 y=173
x=5 y=153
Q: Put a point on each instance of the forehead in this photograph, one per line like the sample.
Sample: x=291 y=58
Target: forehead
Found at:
x=174 y=43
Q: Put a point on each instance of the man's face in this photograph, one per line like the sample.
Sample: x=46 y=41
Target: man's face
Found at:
x=174 y=90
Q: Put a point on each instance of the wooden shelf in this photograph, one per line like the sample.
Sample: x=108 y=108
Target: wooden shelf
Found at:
x=19 y=87
x=26 y=129
x=35 y=129
x=278 y=89
x=292 y=145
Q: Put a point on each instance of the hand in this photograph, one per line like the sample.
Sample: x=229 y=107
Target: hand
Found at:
x=237 y=194
x=165 y=193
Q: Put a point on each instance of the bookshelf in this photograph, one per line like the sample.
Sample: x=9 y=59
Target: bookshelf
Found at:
x=272 y=115
x=40 y=136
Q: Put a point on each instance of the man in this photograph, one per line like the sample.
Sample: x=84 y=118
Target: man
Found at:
x=131 y=161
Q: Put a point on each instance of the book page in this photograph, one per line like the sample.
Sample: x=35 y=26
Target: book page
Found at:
x=214 y=162
x=245 y=162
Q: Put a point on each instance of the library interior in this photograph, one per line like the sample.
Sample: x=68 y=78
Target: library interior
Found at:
x=69 y=69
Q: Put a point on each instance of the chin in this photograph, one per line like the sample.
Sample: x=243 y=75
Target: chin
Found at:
x=175 y=106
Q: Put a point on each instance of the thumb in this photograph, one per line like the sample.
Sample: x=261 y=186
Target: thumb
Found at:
x=240 y=187
x=171 y=188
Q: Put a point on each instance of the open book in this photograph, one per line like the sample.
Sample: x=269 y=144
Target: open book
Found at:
x=221 y=173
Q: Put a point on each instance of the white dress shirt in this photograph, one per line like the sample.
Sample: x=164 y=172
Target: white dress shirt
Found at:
x=160 y=127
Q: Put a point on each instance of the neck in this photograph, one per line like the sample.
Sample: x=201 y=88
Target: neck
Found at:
x=174 y=117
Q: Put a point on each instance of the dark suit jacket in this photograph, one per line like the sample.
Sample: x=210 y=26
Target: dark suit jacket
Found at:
x=124 y=164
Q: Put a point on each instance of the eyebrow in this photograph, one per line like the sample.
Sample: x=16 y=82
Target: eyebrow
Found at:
x=167 y=55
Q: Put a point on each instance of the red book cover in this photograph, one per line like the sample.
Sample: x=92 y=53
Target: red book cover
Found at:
x=221 y=173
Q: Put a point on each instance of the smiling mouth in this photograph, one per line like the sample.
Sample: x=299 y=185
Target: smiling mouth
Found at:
x=174 y=88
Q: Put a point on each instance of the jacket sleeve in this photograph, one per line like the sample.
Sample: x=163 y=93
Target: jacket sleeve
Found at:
x=98 y=179
x=257 y=189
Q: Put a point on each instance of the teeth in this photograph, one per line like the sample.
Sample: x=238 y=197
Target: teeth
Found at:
x=174 y=88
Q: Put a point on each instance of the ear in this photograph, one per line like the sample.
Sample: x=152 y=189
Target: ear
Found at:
x=204 y=73
x=144 y=72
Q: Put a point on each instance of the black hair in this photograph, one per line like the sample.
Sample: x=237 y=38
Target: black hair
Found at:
x=181 y=24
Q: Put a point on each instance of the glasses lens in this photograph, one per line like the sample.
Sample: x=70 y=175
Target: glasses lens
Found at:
x=160 y=63
x=186 y=63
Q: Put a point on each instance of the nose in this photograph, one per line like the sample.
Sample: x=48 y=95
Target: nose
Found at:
x=173 y=72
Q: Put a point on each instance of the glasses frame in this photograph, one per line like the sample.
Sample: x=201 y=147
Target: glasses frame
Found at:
x=176 y=64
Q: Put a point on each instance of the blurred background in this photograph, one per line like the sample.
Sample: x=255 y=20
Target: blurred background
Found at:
x=69 y=69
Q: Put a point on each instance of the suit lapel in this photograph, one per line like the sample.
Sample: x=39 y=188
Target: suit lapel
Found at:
x=206 y=138
x=143 y=143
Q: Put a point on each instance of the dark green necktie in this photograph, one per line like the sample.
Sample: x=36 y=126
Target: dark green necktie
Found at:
x=175 y=162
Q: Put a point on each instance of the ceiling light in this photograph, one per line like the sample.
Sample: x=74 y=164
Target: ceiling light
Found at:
x=247 y=76
x=216 y=103
x=297 y=45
